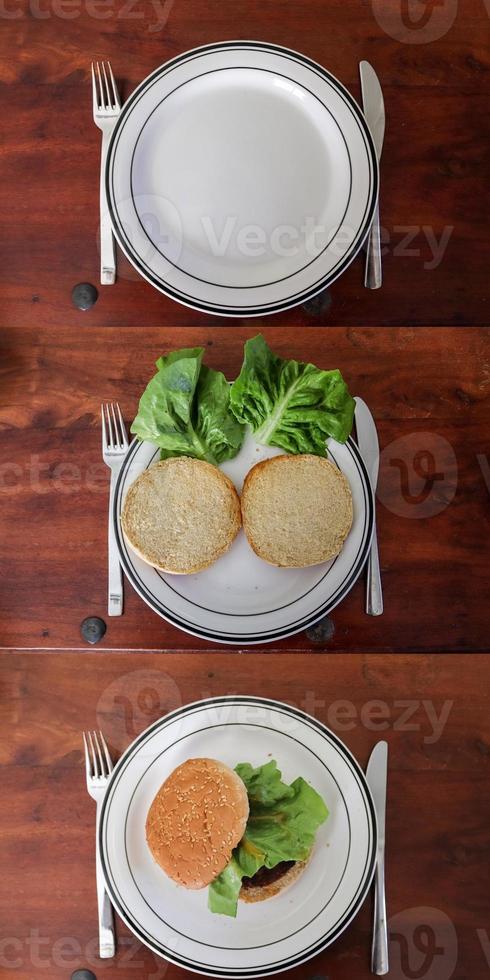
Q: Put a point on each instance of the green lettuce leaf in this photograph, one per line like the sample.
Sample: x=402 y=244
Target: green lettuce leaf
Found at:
x=282 y=824
x=185 y=410
x=290 y=404
x=224 y=891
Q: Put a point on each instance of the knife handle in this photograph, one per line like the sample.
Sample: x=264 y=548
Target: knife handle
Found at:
x=374 y=591
x=373 y=277
x=379 y=953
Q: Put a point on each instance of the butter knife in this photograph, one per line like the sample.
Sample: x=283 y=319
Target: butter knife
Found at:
x=374 y=111
x=377 y=775
x=367 y=440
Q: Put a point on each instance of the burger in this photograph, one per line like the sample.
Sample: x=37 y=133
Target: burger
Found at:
x=242 y=833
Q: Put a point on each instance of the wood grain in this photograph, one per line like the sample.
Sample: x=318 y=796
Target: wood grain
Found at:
x=427 y=387
x=438 y=800
x=433 y=169
x=427 y=390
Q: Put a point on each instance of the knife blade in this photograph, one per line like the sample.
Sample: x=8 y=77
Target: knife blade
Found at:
x=373 y=104
x=367 y=440
x=374 y=112
x=377 y=776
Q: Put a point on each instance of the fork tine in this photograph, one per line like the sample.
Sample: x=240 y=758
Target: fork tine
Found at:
x=123 y=428
x=110 y=443
x=88 y=766
x=108 y=759
x=99 y=755
x=101 y=88
x=114 y=88
x=117 y=435
x=95 y=768
x=104 y=430
x=107 y=94
x=95 y=98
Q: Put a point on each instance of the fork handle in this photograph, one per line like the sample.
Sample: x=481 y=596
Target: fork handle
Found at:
x=114 y=578
x=107 y=935
x=373 y=277
x=107 y=244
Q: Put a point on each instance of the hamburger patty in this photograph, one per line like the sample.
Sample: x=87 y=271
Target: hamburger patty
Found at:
x=265 y=876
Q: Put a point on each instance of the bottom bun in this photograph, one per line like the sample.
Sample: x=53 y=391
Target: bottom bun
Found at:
x=259 y=893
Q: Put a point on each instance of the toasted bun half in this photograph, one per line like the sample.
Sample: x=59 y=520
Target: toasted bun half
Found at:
x=259 y=893
x=181 y=515
x=196 y=819
x=296 y=510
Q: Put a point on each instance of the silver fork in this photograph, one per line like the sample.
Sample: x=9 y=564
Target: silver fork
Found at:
x=114 y=449
x=106 y=108
x=98 y=767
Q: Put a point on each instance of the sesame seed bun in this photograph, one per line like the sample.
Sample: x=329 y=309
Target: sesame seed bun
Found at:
x=196 y=819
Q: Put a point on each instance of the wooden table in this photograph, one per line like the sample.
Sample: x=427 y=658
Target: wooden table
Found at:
x=433 y=713
x=416 y=351
x=434 y=180
x=426 y=389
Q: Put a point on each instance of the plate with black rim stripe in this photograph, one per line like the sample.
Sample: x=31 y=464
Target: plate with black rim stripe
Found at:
x=241 y=178
x=242 y=599
x=265 y=938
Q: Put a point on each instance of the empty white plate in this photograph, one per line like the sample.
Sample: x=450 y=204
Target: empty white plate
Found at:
x=241 y=599
x=241 y=178
x=265 y=938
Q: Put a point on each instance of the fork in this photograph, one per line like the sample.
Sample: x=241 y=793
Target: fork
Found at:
x=106 y=108
x=98 y=767
x=114 y=449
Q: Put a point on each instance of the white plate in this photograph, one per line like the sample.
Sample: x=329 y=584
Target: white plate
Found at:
x=264 y=938
x=241 y=178
x=241 y=599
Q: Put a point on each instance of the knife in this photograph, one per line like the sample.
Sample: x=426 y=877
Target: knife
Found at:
x=367 y=440
x=376 y=775
x=374 y=111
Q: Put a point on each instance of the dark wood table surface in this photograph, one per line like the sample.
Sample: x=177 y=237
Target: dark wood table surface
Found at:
x=433 y=712
x=428 y=392
x=434 y=177
x=416 y=351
